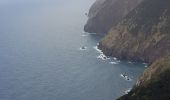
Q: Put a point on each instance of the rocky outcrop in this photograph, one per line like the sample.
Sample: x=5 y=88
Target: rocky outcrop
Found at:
x=104 y=14
x=140 y=33
x=95 y=8
x=144 y=35
x=154 y=84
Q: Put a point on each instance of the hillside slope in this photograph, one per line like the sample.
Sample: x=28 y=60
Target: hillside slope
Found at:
x=106 y=13
x=144 y=35
x=154 y=84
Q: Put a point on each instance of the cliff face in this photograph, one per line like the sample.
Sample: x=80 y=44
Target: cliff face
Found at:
x=144 y=35
x=95 y=8
x=106 y=13
x=154 y=84
x=140 y=33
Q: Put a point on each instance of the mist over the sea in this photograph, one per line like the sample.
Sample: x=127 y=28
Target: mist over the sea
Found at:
x=41 y=56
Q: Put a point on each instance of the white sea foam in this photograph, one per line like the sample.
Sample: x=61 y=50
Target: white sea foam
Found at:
x=103 y=57
x=101 y=54
x=84 y=35
x=83 y=48
x=127 y=78
x=114 y=58
x=128 y=90
x=129 y=62
x=89 y=33
x=98 y=50
x=114 y=62
x=118 y=61
x=146 y=65
x=84 y=32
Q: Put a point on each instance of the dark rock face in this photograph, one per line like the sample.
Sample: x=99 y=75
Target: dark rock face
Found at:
x=154 y=84
x=104 y=14
x=138 y=30
x=143 y=35
x=95 y=8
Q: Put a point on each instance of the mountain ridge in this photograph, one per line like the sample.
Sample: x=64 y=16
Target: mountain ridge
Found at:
x=106 y=13
x=144 y=35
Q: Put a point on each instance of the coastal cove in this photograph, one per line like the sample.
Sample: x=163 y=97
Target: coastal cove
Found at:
x=46 y=55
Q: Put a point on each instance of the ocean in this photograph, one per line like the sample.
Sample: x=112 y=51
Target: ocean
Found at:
x=46 y=55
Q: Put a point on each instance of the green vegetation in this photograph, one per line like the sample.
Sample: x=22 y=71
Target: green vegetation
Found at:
x=156 y=88
x=166 y=28
x=143 y=34
x=148 y=14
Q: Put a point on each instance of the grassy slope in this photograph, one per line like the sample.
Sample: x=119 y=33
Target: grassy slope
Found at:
x=144 y=35
x=154 y=83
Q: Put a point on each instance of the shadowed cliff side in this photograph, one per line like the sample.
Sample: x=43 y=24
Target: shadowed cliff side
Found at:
x=154 y=84
x=106 y=13
x=144 y=35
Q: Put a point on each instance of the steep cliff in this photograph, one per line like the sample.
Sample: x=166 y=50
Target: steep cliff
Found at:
x=144 y=35
x=154 y=84
x=106 y=13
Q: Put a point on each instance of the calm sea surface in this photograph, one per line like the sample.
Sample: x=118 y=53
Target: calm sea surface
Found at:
x=40 y=56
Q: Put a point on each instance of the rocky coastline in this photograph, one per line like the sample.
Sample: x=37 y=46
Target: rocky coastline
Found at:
x=142 y=35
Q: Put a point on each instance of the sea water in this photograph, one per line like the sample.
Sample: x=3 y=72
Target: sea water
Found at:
x=41 y=59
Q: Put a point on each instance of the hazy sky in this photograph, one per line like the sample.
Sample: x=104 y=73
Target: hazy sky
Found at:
x=42 y=12
x=13 y=2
